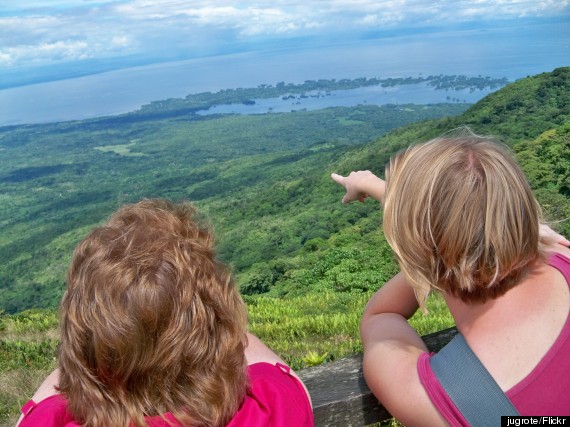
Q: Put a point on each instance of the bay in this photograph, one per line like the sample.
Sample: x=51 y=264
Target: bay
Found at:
x=512 y=52
x=372 y=95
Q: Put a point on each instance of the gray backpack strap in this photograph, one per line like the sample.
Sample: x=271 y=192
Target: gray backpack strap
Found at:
x=469 y=385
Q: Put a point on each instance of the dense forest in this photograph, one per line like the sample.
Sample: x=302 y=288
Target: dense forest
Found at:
x=305 y=263
x=61 y=179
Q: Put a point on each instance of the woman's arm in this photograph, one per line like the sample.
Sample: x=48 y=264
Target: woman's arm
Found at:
x=256 y=351
x=391 y=351
x=396 y=296
x=48 y=387
x=391 y=346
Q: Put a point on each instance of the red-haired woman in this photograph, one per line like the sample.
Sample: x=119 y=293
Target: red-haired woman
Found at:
x=153 y=332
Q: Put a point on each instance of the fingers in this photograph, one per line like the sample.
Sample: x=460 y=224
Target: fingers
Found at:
x=546 y=231
x=348 y=182
x=339 y=179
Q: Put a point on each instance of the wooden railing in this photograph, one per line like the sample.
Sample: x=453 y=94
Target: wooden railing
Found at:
x=340 y=395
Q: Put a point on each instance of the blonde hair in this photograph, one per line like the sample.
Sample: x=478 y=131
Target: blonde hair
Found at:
x=151 y=323
x=461 y=217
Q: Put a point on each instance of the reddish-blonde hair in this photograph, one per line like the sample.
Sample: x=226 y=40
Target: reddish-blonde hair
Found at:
x=151 y=323
x=461 y=217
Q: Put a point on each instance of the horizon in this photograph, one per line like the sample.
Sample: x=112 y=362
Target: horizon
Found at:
x=51 y=40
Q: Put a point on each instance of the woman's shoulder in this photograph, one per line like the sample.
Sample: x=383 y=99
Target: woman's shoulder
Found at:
x=48 y=412
x=559 y=258
x=276 y=398
x=266 y=378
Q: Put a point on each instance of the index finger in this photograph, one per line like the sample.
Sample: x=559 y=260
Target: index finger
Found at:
x=339 y=179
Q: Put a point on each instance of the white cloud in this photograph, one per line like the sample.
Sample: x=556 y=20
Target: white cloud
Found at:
x=58 y=51
x=244 y=19
x=5 y=58
x=120 y=41
x=370 y=19
x=36 y=31
x=14 y=29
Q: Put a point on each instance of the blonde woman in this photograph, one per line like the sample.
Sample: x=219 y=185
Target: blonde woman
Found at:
x=153 y=332
x=462 y=220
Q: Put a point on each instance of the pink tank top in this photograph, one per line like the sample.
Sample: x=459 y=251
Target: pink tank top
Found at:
x=276 y=399
x=545 y=391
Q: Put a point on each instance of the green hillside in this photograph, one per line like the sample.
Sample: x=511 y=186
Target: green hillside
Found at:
x=59 y=180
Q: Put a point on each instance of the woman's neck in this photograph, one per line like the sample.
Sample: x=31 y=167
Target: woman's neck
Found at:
x=494 y=315
x=487 y=318
x=468 y=317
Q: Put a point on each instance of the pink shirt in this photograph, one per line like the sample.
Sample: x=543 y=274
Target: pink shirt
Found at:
x=545 y=391
x=276 y=399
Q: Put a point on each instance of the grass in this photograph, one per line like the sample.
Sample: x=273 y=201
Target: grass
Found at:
x=120 y=149
x=28 y=342
x=326 y=322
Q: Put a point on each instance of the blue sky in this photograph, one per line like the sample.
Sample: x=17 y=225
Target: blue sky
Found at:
x=37 y=33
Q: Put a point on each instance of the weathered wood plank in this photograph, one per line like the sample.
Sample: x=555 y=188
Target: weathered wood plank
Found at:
x=339 y=392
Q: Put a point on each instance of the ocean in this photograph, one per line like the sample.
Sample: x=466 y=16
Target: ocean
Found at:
x=511 y=52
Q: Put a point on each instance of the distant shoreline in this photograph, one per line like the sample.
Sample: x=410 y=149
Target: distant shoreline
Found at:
x=511 y=52
x=314 y=94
